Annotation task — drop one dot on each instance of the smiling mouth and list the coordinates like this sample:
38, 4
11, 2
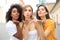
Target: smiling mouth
16, 16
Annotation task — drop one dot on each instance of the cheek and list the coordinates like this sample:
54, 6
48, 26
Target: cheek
44, 13
24, 13
15, 16
30, 13
12, 14
39, 13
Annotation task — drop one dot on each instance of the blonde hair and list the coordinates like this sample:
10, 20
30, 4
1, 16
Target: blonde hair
24, 10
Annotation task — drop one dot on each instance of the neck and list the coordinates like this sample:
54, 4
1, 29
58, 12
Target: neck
43, 18
14, 20
27, 19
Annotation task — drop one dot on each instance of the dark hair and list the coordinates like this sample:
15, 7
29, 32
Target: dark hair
19, 9
24, 9
47, 16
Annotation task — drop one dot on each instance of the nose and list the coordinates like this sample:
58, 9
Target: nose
39, 11
27, 12
17, 13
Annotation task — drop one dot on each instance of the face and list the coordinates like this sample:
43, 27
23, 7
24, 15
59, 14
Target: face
41, 11
27, 12
14, 14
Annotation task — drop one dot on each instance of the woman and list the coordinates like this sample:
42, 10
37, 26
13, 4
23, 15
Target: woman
13, 17
31, 30
49, 25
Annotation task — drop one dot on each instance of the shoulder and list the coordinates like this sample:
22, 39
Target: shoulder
9, 22
50, 21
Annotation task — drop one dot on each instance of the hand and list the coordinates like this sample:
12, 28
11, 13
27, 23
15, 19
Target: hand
16, 22
21, 3
21, 0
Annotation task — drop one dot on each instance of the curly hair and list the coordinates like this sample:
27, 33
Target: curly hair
19, 9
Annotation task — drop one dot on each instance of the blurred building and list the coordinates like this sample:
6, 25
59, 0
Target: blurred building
52, 5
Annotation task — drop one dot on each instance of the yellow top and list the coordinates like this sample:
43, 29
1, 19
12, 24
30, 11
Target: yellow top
50, 25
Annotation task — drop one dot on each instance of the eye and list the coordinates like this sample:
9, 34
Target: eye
14, 11
42, 9
25, 10
29, 10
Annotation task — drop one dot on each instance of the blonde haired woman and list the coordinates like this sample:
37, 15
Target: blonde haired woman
31, 30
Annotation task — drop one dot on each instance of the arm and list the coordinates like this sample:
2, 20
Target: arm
47, 32
50, 27
39, 27
14, 30
25, 32
10, 29
19, 31
21, 3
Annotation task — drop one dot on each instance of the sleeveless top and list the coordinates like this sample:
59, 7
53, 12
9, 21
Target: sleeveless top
32, 35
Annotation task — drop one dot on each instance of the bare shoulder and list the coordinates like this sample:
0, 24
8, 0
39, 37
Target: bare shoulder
35, 20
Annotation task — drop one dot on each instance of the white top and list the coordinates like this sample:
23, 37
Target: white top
11, 29
32, 35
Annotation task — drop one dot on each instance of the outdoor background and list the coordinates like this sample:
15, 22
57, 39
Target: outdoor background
52, 5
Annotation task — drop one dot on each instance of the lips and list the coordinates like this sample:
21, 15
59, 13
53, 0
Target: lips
27, 15
17, 16
40, 13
